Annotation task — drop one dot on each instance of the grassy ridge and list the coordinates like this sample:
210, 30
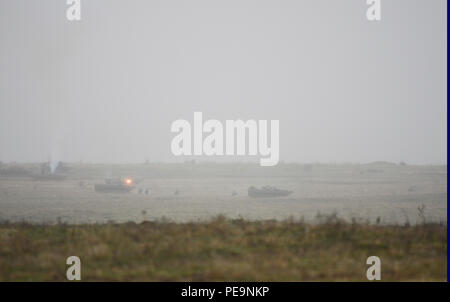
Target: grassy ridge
222, 250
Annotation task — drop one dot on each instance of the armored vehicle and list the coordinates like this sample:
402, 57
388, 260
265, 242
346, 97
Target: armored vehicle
267, 191
116, 185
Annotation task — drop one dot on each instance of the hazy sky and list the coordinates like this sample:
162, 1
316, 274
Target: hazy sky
107, 88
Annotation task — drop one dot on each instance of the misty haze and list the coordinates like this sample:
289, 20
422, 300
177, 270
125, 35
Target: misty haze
106, 92
86, 109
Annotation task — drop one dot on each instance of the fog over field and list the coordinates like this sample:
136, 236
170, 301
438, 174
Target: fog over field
361, 108
378, 193
107, 88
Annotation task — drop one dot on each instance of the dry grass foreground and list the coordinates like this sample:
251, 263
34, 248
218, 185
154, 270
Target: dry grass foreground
223, 250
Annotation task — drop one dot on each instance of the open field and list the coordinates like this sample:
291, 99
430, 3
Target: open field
223, 249
171, 233
191, 192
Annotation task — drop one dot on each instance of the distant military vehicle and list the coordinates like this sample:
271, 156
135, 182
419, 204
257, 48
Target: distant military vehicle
116, 185
49, 172
267, 191
48, 177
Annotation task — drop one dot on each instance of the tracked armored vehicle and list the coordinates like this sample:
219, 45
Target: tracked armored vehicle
267, 191
115, 185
